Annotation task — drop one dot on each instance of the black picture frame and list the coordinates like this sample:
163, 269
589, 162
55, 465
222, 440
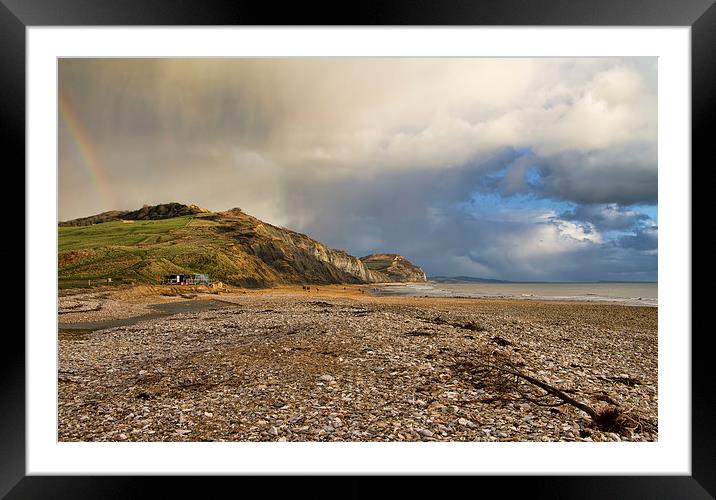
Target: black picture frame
17, 15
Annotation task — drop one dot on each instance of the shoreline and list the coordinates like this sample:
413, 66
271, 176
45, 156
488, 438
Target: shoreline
437, 289
141, 300
342, 365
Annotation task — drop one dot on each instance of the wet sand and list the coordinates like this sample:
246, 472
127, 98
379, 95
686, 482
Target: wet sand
157, 311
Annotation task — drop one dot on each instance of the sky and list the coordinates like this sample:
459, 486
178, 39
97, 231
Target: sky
503, 168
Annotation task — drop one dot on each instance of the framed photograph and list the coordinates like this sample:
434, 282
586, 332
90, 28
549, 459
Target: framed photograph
447, 240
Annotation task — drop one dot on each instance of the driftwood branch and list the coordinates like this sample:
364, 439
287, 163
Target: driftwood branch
611, 418
563, 396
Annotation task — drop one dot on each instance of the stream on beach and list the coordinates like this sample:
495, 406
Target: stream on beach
158, 311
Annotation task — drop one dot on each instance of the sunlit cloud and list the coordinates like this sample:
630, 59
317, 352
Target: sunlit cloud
386, 154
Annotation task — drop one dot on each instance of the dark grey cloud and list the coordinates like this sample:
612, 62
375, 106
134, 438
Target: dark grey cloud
607, 217
645, 239
528, 250
427, 217
621, 175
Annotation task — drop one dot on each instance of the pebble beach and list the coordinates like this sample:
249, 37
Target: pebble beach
338, 364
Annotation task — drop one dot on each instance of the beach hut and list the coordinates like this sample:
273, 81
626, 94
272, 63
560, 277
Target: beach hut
187, 279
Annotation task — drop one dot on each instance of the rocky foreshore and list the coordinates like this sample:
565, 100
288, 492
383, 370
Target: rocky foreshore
298, 366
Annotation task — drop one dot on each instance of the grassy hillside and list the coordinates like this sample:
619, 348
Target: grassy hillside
231, 246
118, 233
144, 251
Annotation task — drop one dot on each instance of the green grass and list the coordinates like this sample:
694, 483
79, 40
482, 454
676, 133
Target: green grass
144, 251
134, 251
227, 249
118, 233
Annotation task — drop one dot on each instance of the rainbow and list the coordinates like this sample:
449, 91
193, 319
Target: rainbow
83, 142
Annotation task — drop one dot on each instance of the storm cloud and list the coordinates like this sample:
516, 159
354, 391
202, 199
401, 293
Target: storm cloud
607, 217
501, 168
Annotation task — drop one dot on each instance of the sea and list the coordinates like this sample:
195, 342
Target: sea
640, 294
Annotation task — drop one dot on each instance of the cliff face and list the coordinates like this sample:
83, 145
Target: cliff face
230, 246
394, 267
312, 261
